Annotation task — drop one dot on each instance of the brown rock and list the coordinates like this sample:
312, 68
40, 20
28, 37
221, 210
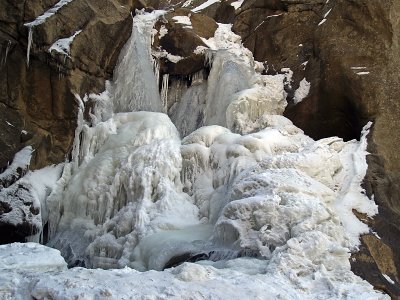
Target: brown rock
182, 41
42, 96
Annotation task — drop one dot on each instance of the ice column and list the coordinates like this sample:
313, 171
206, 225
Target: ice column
164, 92
135, 86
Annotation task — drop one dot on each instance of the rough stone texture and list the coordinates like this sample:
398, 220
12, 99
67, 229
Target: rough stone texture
40, 98
183, 41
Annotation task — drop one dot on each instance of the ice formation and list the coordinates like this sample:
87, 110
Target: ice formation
63, 46
19, 164
134, 84
40, 20
251, 206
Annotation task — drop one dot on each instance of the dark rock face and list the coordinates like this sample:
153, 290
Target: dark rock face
39, 99
182, 41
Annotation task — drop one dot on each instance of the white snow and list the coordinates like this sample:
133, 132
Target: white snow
387, 277
327, 13
352, 195
362, 73
42, 182
63, 46
163, 31
20, 161
237, 4
47, 14
40, 20
270, 16
30, 256
187, 3
325, 16
302, 91
184, 20
205, 5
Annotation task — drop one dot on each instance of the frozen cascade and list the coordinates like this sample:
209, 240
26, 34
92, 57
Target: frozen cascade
187, 114
135, 86
235, 95
258, 204
226, 78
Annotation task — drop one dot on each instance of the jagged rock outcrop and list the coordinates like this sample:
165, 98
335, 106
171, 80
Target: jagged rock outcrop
37, 101
200, 26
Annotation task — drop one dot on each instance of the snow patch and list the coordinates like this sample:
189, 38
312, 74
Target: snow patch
163, 31
352, 195
237, 4
40, 20
184, 20
327, 13
63, 46
302, 91
205, 5
20, 163
30, 256
47, 14
387, 277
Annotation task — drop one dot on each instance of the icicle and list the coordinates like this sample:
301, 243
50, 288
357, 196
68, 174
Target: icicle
197, 77
28, 51
164, 92
4, 58
156, 69
78, 130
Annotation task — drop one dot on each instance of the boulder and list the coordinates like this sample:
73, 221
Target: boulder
182, 40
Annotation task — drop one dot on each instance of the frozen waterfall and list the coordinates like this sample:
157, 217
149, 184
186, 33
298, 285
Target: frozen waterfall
245, 195
135, 86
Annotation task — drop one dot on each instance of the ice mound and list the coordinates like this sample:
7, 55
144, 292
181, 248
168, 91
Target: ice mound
30, 256
127, 186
